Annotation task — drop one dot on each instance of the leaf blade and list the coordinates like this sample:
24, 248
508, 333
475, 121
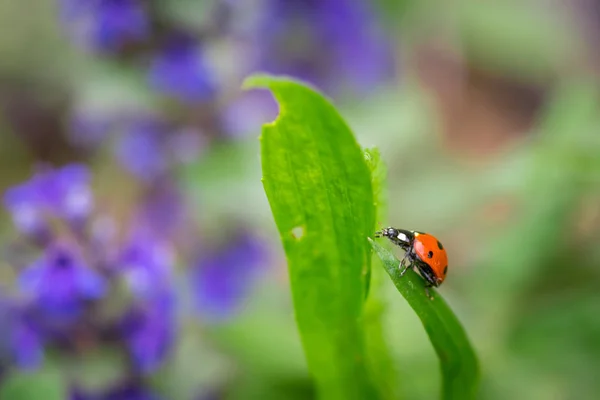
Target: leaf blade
319, 189
458, 361
380, 362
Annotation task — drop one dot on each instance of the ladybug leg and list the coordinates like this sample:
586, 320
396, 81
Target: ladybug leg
427, 292
428, 276
403, 266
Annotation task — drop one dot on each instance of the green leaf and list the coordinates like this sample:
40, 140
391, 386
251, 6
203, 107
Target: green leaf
264, 337
380, 362
460, 371
44, 384
319, 189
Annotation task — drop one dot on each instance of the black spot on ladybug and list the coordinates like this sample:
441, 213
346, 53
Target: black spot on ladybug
445, 269
430, 254
440, 245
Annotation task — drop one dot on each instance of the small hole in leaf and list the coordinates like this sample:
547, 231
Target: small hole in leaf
298, 232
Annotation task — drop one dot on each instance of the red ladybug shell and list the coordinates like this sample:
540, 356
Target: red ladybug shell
432, 253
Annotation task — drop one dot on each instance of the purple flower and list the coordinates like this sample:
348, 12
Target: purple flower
20, 339
60, 283
222, 279
162, 212
26, 341
26, 207
149, 148
62, 193
147, 264
141, 149
180, 71
149, 330
330, 43
105, 25
64, 288
248, 113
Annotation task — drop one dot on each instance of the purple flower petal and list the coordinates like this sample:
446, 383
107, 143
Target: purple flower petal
32, 278
222, 280
59, 283
180, 71
147, 264
76, 200
24, 205
149, 148
26, 344
62, 192
141, 150
248, 113
105, 24
149, 331
91, 285
162, 213
330, 43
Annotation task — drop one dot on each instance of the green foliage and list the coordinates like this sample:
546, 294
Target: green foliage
460, 371
518, 35
555, 183
325, 196
319, 190
43, 384
380, 363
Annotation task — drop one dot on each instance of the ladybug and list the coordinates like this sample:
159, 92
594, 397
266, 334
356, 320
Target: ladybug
422, 251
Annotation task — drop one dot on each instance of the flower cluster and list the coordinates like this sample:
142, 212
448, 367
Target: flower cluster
106, 25
75, 265
332, 44
70, 263
219, 292
335, 44
85, 279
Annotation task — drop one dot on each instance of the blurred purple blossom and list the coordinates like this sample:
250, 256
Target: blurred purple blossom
60, 283
329, 43
248, 113
147, 263
20, 340
140, 149
180, 70
162, 212
222, 279
149, 330
62, 193
25, 339
60, 291
105, 25
150, 148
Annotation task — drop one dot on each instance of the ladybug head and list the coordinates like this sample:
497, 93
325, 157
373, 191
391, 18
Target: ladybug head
400, 237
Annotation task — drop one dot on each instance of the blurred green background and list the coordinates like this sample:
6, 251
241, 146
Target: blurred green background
489, 129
